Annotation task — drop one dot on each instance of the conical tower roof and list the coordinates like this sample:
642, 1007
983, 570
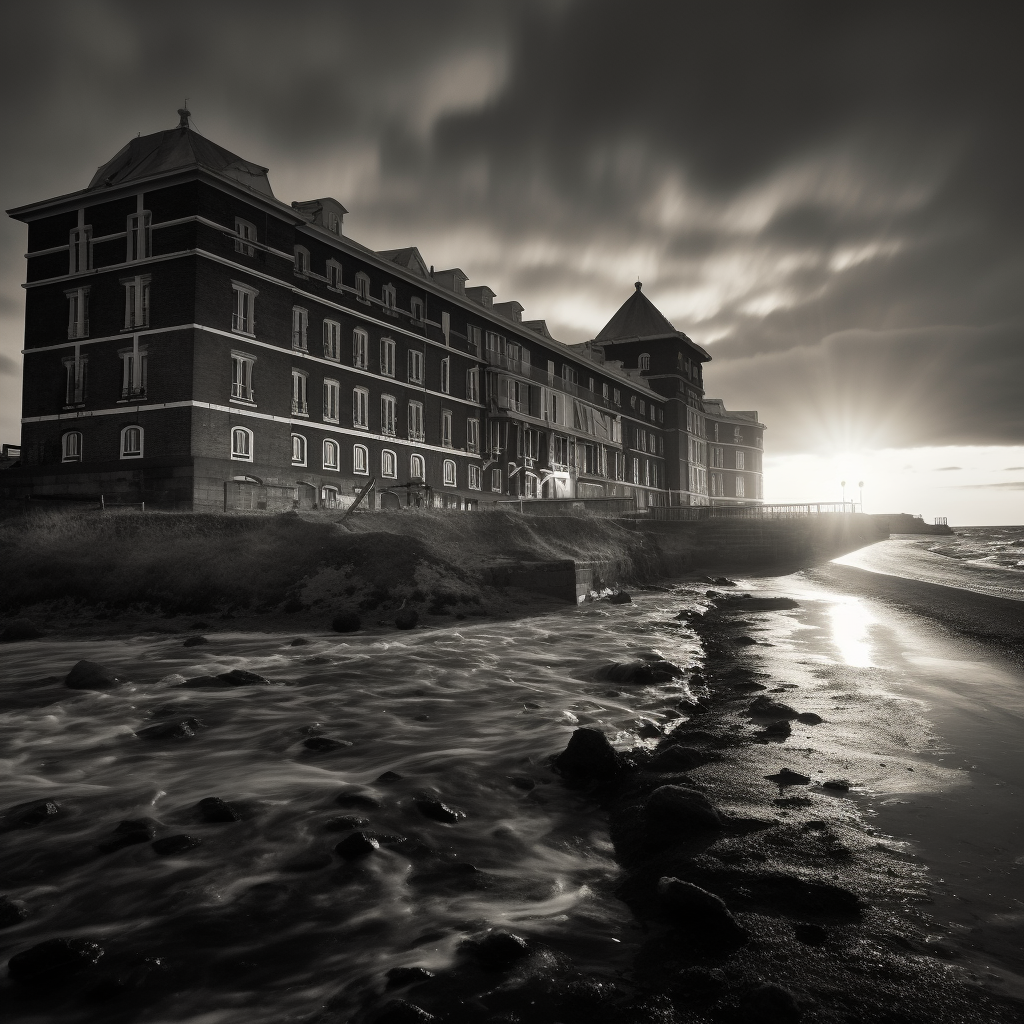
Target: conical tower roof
637, 317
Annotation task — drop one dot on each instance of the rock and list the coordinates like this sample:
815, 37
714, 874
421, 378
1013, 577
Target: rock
398, 1011
679, 810
777, 731
216, 812
643, 673
31, 814
745, 641
346, 622
356, 846
840, 785
438, 811
20, 629
130, 833
589, 755
620, 597
648, 730
810, 718
702, 914
345, 823
810, 934
195, 641
748, 603
87, 675
11, 913
171, 845
389, 777
407, 618
748, 687
400, 977
677, 759
240, 677
51, 963
723, 581
324, 744
769, 1004
357, 800
767, 707
183, 730
499, 951
789, 778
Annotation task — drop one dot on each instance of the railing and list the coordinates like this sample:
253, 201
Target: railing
133, 393
299, 408
242, 392
690, 513
531, 372
79, 330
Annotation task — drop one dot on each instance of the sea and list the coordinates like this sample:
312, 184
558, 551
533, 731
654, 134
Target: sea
262, 921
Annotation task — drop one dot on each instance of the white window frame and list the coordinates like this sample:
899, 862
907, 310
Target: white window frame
496, 480
416, 428
387, 357
71, 452
80, 247
242, 365
416, 308
644, 362
360, 460
389, 415
334, 279
300, 327
445, 375
451, 473
246, 233
363, 287
740, 461
243, 319
300, 458
446, 327
473, 384
473, 435
360, 348
332, 401
300, 394
415, 366
360, 408
740, 488
301, 261
124, 438
136, 301
76, 368
330, 445
446, 428
475, 481
332, 340
387, 456
237, 454
473, 339
417, 467
139, 230
134, 383
389, 297
78, 312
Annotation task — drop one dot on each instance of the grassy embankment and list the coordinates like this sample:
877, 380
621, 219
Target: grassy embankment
84, 565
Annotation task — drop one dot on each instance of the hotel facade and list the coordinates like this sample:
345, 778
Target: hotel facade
195, 343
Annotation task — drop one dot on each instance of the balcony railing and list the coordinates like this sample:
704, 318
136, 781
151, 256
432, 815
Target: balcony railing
129, 393
79, 330
299, 408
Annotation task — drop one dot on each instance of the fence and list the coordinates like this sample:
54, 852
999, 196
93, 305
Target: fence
611, 507
691, 513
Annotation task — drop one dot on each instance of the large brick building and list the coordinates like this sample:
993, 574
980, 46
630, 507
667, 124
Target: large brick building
193, 342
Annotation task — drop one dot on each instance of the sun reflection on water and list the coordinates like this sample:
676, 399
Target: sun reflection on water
850, 622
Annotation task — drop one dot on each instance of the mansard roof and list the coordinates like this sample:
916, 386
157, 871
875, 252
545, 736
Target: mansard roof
178, 149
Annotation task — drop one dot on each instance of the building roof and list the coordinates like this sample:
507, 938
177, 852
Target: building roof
637, 317
177, 149
409, 258
715, 407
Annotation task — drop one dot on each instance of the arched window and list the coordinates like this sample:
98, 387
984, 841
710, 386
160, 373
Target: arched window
450, 477
417, 467
331, 455
298, 450
388, 463
645, 361
71, 447
360, 459
241, 444
131, 443
362, 287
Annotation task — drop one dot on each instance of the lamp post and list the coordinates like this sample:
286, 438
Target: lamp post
860, 484
842, 483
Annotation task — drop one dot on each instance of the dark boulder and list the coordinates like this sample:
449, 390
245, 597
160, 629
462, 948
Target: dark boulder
215, 811
356, 846
767, 707
810, 718
620, 597
789, 778
777, 731
389, 777
11, 913
704, 916
52, 963
589, 755
400, 977
87, 675
325, 744
346, 622
171, 845
677, 759
130, 833
745, 641
195, 641
770, 1004
183, 730
33, 813
407, 618
839, 785
240, 677
678, 811
359, 800
643, 673
499, 951
345, 823
20, 629
438, 811
398, 1011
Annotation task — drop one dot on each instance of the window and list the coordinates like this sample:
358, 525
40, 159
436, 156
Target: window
387, 295
416, 307
473, 384
632, 402
81, 250
617, 396
134, 371
300, 321
246, 233
473, 436
569, 375
298, 450
334, 275
136, 302
560, 451
495, 343
496, 480
591, 384
653, 412
333, 223
416, 421
131, 443
636, 471
531, 486
388, 415
241, 377
554, 407
661, 415
140, 236
446, 428
661, 446
604, 392
446, 327
332, 340
299, 393
360, 346
331, 455
241, 444
415, 366
450, 477
387, 357
417, 468
76, 378
78, 312
475, 483
360, 459
645, 361
473, 338
362, 287
445, 378
737, 436
71, 447
301, 261
716, 431
243, 319
739, 460
718, 457
360, 403
388, 464
332, 395
739, 487
643, 407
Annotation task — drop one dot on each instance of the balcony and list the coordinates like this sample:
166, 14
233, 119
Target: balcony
530, 372
417, 435
79, 330
299, 408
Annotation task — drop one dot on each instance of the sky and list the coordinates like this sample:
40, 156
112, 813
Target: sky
829, 198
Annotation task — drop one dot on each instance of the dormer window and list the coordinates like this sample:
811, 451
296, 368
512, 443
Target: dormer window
645, 361
333, 223
301, 261
362, 287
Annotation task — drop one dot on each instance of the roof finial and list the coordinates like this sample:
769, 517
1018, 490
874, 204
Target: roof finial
184, 113
638, 286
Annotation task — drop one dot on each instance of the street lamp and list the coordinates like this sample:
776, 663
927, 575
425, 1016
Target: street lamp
842, 483
860, 484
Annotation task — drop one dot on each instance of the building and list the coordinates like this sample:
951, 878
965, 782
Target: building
193, 342
735, 450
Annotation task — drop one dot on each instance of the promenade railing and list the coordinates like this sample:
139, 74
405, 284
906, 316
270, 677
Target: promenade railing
692, 513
